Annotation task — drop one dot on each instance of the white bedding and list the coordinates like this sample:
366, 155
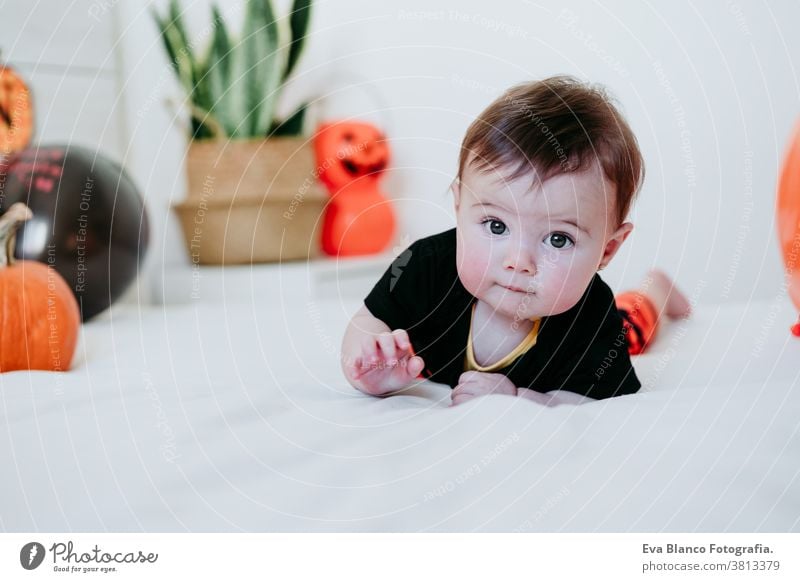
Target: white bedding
229, 418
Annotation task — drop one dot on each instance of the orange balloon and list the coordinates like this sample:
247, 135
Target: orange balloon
788, 216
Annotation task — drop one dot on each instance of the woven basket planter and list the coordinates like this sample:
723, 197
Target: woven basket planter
251, 201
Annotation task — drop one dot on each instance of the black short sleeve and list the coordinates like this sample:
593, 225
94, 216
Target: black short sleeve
401, 297
599, 365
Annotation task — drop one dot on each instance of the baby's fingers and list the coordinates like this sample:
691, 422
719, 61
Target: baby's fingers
373, 358
395, 345
415, 366
388, 347
458, 398
368, 360
402, 340
465, 391
360, 367
370, 352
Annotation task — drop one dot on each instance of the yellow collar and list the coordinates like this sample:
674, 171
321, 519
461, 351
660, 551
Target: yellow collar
527, 343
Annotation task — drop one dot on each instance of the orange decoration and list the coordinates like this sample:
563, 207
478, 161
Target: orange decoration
351, 157
16, 112
788, 216
39, 317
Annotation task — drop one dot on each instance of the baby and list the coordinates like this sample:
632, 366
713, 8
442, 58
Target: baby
510, 301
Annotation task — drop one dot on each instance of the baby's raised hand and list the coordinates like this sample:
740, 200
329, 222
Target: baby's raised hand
473, 384
386, 363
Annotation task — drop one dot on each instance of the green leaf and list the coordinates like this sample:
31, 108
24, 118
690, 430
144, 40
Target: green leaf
199, 130
236, 86
261, 70
298, 20
183, 50
162, 29
176, 52
219, 68
292, 125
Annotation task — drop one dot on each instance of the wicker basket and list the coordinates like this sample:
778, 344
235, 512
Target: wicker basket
251, 202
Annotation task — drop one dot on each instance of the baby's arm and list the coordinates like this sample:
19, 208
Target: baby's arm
473, 384
375, 359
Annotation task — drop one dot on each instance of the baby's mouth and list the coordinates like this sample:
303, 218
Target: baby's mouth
518, 289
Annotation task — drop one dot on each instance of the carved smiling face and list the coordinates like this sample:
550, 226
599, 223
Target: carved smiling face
16, 112
347, 151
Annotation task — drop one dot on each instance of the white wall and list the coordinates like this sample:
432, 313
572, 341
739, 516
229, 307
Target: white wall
710, 89
67, 59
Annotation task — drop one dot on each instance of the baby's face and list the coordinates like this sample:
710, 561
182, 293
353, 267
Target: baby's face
530, 252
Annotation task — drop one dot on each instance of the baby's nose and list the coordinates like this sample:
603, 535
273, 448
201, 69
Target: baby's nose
518, 258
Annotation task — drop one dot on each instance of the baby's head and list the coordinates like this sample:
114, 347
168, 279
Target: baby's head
546, 176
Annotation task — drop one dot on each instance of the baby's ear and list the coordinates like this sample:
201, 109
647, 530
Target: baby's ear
614, 243
455, 187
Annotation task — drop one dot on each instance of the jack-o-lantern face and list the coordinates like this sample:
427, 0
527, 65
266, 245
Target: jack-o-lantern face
347, 151
16, 112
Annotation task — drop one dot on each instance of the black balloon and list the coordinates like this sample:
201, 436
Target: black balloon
89, 220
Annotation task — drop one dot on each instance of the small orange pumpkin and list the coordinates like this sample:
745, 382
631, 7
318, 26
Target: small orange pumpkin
352, 157
348, 150
39, 317
16, 112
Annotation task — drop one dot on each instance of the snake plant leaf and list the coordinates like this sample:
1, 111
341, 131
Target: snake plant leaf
232, 92
292, 125
168, 43
183, 49
175, 51
261, 66
298, 22
182, 60
219, 68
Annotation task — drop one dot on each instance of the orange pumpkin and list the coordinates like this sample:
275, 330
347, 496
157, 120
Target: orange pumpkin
16, 112
788, 219
352, 156
348, 150
39, 317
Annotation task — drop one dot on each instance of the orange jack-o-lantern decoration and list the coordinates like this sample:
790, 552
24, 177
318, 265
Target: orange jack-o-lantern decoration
788, 218
351, 157
16, 112
39, 315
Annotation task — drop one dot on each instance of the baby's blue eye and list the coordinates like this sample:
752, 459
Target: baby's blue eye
560, 240
496, 226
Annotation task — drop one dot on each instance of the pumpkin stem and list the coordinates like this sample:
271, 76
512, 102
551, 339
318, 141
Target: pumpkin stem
9, 223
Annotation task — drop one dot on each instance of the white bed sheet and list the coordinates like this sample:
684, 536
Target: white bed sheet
236, 418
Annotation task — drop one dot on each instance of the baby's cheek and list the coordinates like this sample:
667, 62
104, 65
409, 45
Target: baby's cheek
472, 276
473, 270
564, 302
565, 285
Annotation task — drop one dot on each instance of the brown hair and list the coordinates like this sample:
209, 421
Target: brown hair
553, 126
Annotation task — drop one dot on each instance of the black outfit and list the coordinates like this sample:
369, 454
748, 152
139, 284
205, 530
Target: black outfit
582, 350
